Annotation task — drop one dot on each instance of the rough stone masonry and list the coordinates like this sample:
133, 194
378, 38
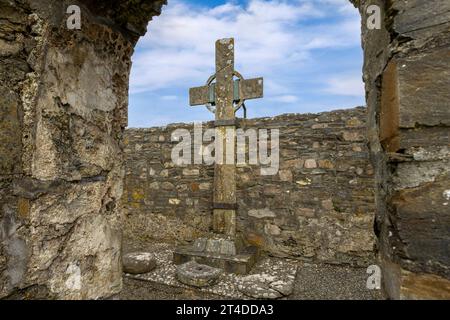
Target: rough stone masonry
319, 206
63, 105
63, 108
407, 77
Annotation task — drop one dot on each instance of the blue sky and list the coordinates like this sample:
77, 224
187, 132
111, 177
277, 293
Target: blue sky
308, 52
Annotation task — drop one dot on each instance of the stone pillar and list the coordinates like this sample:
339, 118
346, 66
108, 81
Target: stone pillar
407, 77
63, 100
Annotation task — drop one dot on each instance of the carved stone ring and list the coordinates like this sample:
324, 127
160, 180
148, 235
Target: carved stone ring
237, 103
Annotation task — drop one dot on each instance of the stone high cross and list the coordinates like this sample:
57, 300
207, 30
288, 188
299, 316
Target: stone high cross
227, 96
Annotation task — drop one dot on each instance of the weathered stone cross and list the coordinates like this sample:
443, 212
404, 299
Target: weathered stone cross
227, 96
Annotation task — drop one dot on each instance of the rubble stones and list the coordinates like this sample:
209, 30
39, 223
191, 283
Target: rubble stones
263, 286
227, 284
138, 262
258, 286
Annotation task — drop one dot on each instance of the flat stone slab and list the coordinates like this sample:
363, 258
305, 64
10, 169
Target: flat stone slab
219, 251
227, 283
216, 245
197, 275
265, 286
138, 262
240, 263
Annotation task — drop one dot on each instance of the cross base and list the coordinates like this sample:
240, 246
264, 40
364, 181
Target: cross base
227, 254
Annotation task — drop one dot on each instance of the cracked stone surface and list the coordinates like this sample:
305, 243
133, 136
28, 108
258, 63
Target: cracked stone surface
138, 262
264, 286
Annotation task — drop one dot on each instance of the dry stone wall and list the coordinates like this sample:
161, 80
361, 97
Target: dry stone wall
320, 204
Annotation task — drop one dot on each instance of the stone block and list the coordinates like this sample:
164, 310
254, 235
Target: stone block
167, 186
310, 164
319, 126
240, 263
197, 275
255, 239
272, 229
293, 164
354, 122
216, 245
261, 213
10, 133
326, 164
305, 212
205, 186
424, 137
327, 204
422, 218
191, 172
285, 175
421, 19
424, 286
138, 262
263, 286
353, 136
174, 201
195, 187
414, 94
305, 182
270, 190
401, 284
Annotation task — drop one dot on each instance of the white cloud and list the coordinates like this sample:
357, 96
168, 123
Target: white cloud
345, 85
169, 98
276, 39
285, 99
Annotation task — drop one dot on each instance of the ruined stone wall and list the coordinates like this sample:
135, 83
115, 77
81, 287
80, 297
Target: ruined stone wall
407, 76
63, 107
62, 112
320, 205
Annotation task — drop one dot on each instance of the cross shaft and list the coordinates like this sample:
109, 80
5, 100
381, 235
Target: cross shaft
223, 94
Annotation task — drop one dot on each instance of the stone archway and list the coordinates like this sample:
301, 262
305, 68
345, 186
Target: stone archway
63, 110
64, 97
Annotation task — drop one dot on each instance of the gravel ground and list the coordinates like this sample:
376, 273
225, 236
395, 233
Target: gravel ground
145, 290
313, 282
331, 282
